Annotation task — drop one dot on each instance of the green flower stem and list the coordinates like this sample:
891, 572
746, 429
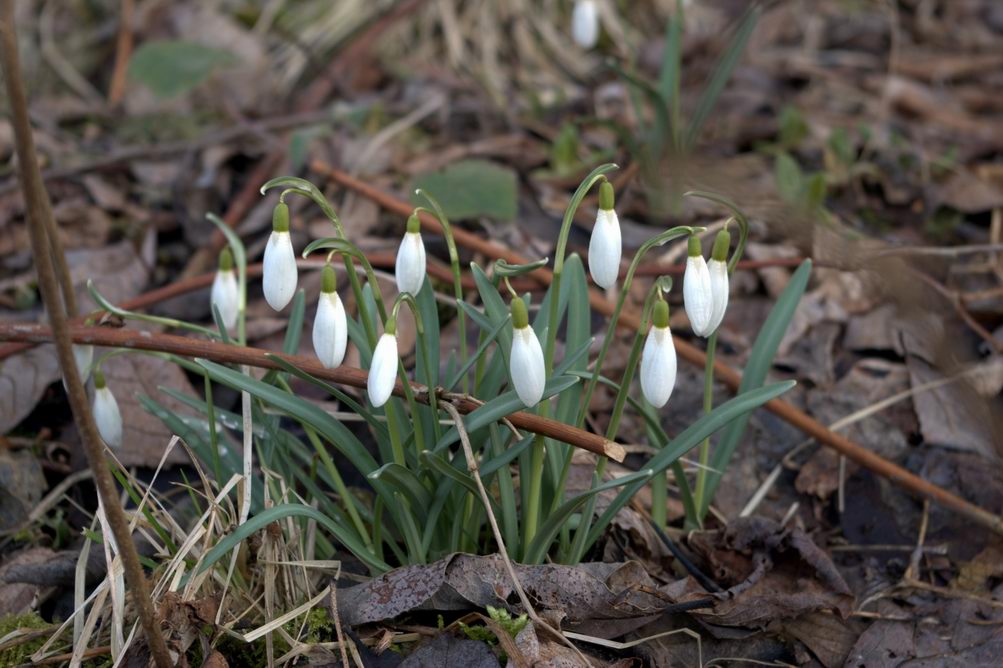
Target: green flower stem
145, 317
419, 432
532, 514
708, 387
454, 266
217, 467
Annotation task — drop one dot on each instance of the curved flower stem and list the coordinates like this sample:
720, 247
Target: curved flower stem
532, 514
708, 386
454, 265
159, 320
419, 433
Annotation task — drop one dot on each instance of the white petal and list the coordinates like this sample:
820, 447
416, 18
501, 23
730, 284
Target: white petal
658, 366
279, 280
226, 297
719, 290
410, 266
383, 370
526, 366
585, 24
83, 355
604, 249
330, 330
697, 296
108, 417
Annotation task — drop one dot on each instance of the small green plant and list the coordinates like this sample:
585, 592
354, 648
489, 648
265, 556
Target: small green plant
503, 618
19, 653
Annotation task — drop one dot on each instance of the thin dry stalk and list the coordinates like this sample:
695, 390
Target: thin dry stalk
38, 208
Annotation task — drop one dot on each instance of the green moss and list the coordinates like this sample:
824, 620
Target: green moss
20, 653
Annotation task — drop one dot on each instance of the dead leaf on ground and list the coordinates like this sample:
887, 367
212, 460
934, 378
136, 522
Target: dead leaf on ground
21, 486
448, 650
18, 597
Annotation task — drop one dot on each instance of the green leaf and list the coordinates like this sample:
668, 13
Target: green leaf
405, 482
789, 178
276, 513
793, 129
172, 67
760, 361
472, 188
687, 440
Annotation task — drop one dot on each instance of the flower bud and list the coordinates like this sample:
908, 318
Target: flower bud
279, 271
697, 296
585, 23
330, 326
526, 366
225, 294
410, 266
83, 355
106, 413
605, 245
718, 271
658, 360
383, 370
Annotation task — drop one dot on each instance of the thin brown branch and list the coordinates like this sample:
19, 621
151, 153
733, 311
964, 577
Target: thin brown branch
38, 208
232, 354
630, 319
123, 51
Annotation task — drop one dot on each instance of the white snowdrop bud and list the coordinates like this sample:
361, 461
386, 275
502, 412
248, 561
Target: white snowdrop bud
658, 361
330, 327
410, 266
605, 246
225, 294
585, 23
697, 296
83, 355
383, 370
106, 413
526, 366
279, 275
718, 270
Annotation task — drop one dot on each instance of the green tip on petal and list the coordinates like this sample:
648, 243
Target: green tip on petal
695, 250
280, 217
520, 316
391, 326
328, 279
660, 314
606, 198
721, 245
226, 260
98, 378
413, 224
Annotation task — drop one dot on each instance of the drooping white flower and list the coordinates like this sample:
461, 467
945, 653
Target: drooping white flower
585, 23
410, 265
526, 366
658, 359
83, 355
718, 270
279, 271
330, 326
383, 370
697, 296
106, 413
225, 295
605, 245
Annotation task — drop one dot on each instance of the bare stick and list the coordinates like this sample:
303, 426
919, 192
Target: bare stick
468, 452
38, 208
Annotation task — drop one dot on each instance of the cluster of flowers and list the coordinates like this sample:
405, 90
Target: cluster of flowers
705, 297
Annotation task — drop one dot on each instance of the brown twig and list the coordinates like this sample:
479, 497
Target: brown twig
631, 320
38, 207
123, 51
232, 354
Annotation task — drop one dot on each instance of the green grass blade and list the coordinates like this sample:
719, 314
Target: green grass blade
405, 482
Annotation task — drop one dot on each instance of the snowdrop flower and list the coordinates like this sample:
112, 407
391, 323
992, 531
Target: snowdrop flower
658, 361
330, 327
225, 295
718, 270
410, 266
83, 355
383, 370
605, 246
279, 279
697, 295
106, 413
585, 23
526, 365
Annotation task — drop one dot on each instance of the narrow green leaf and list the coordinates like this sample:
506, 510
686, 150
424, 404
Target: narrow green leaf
405, 482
